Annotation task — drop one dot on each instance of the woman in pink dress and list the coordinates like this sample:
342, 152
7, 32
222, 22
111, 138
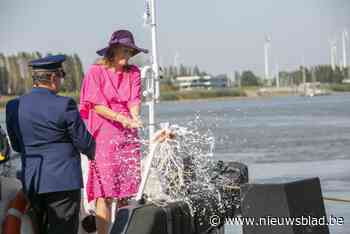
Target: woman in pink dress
110, 103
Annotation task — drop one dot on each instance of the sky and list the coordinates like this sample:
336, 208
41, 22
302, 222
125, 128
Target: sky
219, 36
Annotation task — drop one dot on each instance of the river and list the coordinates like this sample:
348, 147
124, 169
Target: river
280, 139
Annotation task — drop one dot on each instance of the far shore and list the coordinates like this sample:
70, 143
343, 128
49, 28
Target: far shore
247, 97
2, 109
200, 95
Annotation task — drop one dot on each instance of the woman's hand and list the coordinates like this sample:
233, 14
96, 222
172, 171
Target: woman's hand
128, 122
135, 115
138, 122
125, 121
135, 123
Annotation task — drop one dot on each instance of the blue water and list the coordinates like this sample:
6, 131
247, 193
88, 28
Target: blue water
280, 139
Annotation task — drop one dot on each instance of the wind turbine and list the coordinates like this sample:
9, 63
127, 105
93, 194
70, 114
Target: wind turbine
176, 59
345, 39
333, 47
277, 76
267, 46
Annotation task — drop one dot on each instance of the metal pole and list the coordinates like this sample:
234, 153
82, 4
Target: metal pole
155, 67
151, 116
152, 93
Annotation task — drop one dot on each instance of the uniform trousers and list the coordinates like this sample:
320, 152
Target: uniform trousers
57, 212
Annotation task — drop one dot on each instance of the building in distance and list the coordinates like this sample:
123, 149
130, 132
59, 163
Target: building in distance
200, 82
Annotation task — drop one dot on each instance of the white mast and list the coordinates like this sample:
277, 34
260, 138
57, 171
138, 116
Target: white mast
153, 83
151, 73
151, 92
155, 49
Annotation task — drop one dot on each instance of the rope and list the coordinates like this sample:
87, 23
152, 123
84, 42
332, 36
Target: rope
336, 199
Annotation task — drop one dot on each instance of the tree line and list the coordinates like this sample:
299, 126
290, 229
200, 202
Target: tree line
319, 73
15, 75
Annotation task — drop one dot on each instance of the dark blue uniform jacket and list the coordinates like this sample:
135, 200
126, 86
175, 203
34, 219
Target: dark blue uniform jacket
49, 133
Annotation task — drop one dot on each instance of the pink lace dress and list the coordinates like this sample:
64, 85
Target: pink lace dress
115, 172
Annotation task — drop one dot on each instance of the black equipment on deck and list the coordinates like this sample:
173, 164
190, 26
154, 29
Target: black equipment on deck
279, 201
174, 218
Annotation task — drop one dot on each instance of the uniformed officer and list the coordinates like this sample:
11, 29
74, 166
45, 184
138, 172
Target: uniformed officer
47, 130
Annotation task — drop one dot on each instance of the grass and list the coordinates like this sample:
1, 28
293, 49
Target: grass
172, 95
338, 87
251, 88
169, 95
201, 94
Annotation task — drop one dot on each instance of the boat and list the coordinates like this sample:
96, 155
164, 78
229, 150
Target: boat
11, 188
311, 89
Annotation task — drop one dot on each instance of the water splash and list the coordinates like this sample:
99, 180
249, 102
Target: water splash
182, 171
